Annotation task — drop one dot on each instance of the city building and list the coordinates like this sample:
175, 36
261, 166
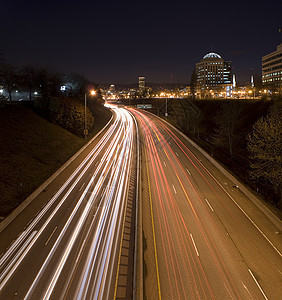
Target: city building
272, 70
214, 78
141, 82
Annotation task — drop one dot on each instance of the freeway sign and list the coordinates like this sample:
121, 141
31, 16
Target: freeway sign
144, 106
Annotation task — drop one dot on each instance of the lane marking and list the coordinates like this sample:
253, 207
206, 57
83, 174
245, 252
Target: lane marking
166, 154
188, 171
103, 193
164, 164
80, 251
228, 290
176, 154
188, 199
120, 248
194, 244
154, 237
258, 284
209, 205
82, 186
15, 262
246, 289
174, 189
247, 216
51, 235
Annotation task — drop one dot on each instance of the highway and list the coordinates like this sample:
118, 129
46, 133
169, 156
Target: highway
204, 239
71, 248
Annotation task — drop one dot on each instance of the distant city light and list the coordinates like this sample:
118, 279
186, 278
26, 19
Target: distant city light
35, 93
1, 91
63, 88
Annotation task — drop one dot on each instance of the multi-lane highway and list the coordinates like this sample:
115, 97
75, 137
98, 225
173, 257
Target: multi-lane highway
204, 238
71, 248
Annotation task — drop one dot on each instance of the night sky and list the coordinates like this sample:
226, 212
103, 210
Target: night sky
116, 41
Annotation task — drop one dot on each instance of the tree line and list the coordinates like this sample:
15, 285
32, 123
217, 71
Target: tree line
250, 146
57, 97
264, 143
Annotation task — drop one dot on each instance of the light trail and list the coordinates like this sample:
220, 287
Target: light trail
107, 188
178, 225
154, 157
210, 228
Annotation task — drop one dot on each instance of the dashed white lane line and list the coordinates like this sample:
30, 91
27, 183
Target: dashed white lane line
209, 205
194, 244
51, 236
82, 186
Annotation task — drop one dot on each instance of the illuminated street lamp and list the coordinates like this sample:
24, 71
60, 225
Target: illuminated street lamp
85, 117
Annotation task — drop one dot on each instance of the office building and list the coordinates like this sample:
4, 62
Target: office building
272, 70
214, 78
141, 82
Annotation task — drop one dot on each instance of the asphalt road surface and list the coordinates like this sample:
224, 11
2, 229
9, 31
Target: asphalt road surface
70, 249
205, 238
209, 241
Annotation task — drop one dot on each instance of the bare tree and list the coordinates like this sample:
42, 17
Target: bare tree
29, 74
265, 148
226, 119
193, 83
8, 78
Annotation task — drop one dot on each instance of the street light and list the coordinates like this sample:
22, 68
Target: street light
85, 117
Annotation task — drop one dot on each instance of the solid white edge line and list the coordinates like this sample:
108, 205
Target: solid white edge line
204, 154
258, 284
246, 215
5, 222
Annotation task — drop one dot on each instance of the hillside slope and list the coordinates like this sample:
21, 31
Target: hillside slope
31, 150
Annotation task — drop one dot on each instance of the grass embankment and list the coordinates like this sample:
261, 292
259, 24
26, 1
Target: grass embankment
32, 149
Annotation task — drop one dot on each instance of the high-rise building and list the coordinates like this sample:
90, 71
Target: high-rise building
141, 82
272, 70
213, 76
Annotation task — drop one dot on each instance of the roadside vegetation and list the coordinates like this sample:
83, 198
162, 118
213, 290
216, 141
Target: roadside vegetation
39, 135
243, 135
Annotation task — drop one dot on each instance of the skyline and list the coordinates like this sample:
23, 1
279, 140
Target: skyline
115, 43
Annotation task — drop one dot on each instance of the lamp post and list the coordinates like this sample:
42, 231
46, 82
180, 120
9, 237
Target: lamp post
85, 116
166, 114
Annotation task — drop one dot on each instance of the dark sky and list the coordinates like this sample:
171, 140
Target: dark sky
116, 41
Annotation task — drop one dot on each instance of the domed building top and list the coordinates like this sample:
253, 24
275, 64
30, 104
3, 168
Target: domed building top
212, 55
